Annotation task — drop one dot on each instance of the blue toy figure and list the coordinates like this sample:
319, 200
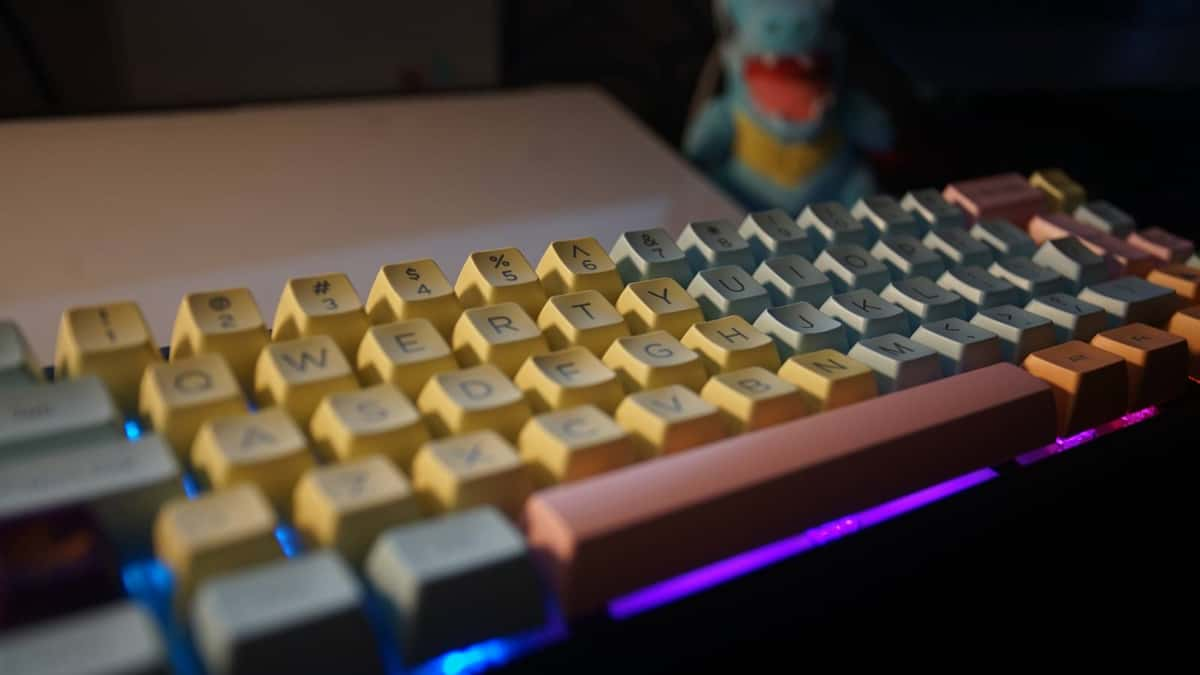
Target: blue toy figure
787, 131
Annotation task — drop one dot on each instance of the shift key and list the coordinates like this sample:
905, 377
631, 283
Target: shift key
41, 415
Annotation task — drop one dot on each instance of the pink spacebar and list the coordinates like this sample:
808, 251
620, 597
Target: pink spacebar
606, 536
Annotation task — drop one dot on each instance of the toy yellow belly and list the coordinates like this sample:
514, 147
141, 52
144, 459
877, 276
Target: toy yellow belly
785, 163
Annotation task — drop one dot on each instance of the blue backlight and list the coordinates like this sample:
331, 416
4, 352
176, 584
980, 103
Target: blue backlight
133, 429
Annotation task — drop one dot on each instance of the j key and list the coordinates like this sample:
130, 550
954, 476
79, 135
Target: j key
225, 322
728, 290
1020, 332
1006, 195
650, 254
112, 342
1089, 384
772, 234
850, 267
1128, 259
957, 247
17, 363
575, 265
321, 305
715, 243
1162, 244
1063, 193
963, 347
978, 288
799, 328
934, 209
1004, 238
42, 416
830, 223
1104, 216
416, 289
499, 275
121, 637
1156, 362
1073, 318
1184, 280
899, 363
884, 215
922, 300
1131, 299
1073, 261
1032, 279
791, 278
865, 314
907, 257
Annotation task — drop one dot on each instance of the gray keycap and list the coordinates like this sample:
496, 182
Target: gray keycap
772, 234
1104, 216
296, 615
73, 411
455, 580
934, 209
1030, 278
906, 257
1073, 319
715, 243
1194, 261
1074, 261
1132, 299
117, 639
865, 314
650, 254
898, 362
829, 223
978, 288
957, 247
1021, 333
791, 278
850, 267
1004, 238
885, 217
800, 328
729, 290
962, 347
922, 300
18, 366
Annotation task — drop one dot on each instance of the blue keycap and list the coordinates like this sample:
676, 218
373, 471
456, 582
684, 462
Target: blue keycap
715, 243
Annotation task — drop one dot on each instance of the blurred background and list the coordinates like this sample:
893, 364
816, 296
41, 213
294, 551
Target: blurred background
1106, 89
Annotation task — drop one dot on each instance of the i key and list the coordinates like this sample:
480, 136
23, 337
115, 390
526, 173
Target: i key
791, 278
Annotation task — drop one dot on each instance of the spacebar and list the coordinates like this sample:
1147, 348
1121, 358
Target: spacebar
609, 535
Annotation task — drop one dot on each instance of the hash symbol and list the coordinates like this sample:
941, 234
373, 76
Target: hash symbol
321, 287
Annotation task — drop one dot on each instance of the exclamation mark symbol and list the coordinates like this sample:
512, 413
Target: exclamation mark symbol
112, 337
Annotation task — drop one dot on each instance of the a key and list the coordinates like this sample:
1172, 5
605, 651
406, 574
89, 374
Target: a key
715, 243
471, 399
346, 506
1006, 195
772, 234
110, 341
416, 289
669, 419
728, 290
568, 378
799, 328
1020, 332
502, 335
957, 247
641, 255
731, 343
223, 322
405, 354
653, 360
907, 257
1131, 299
922, 300
321, 305
468, 470
121, 637
18, 365
499, 275
934, 209
571, 444
440, 579
1162, 244
753, 398
266, 449
297, 374
574, 265
1124, 258
1182, 279
1104, 216
35, 417
962, 346
791, 278
658, 304
585, 319
179, 396
1062, 192
1004, 238
829, 223
1030, 278
1073, 318
298, 615
979, 289
828, 379
1186, 324
1156, 362
851, 267
1073, 261
884, 215
865, 315
376, 420
898, 362
1089, 384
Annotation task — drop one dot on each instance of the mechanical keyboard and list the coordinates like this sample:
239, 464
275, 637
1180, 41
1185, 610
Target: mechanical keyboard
454, 472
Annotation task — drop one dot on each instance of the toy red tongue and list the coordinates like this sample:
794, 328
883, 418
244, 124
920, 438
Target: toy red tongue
787, 87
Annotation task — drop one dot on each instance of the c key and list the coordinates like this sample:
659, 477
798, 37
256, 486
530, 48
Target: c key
1089, 384
1156, 362
324, 305
221, 322
574, 443
112, 342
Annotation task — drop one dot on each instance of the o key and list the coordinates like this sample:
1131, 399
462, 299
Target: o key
1156, 362
1089, 384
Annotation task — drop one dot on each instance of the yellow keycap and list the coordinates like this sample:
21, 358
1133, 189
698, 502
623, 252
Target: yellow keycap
502, 335
753, 398
471, 470
266, 449
221, 322
404, 353
473, 399
416, 289
586, 319
217, 533
377, 420
653, 360
500, 275
110, 341
1064, 193
828, 379
658, 304
297, 374
573, 444
669, 420
568, 378
574, 265
178, 397
731, 343
346, 506
323, 305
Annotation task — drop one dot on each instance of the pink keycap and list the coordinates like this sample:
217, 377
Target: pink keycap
1162, 244
1128, 259
1007, 195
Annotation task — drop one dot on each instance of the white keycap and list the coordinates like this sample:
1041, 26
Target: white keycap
933, 208
957, 247
829, 223
898, 362
1020, 332
1029, 277
772, 234
715, 243
1004, 238
649, 254
865, 314
1132, 299
963, 347
907, 257
72, 411
791, 278
884, 215
728, 290
800, 328
1074, 261
850, 267
922, 300
1073, 318
978, 288
1194, 261
121, 638
18, 366
1104, 216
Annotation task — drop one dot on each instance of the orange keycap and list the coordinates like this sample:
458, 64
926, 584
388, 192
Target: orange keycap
1129, 259
1162, 244
1186, 324
1089, 384
1007, 195
1156, 362
1184, 280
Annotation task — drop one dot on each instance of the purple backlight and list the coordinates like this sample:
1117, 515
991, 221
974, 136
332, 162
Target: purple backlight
1064, 444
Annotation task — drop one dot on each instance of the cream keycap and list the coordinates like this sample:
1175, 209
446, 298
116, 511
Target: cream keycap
502, 335
377, 420
225, 322
573, 265
658, 304
828, 379
1062, 192
471, 470
266, 449
405, 354
653, 360
669, 419
297, 374
569, 378
753, 398
179, 396
731, 343
18, 365
416, 289
586, 319
574, 443
473, 399
110, 341
348, 505
323, 305
500, 275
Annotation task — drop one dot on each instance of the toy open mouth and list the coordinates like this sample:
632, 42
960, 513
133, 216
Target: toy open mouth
795, 88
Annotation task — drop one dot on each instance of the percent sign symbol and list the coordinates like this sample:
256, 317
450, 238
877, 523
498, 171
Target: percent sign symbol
498, 261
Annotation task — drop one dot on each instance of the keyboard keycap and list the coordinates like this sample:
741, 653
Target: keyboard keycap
851, 267
468, 470
223, 322
653, 360
907, 257
499, 275
64, 413
1061, 191
922, 300
297, 374
721, 291
1004, 238
899, 363
110, 341
118, 638
178, 397
1089, 384
584, 319
658, 304
1073, 318
265, 449
298, 615
1104, 216
404, 354
416, 289
669, 419
1184, 280
829, 379
641, 255
865, 314
1186, 324
884, 215
440, 578
963, 347
1031, 279
574, 443
956, 247
473, 399
753, 398
1162, 244
376, 420
934, 209
731, 343
1073, 261
321, 305
18, 365
1156, 362
791, 278
574, 265
772, 234
569, 378
1125, 259
502, 335
1131, 299
979, 289
799, 328
599, 544
1006, 195
829, 223
1021, 333
715, 243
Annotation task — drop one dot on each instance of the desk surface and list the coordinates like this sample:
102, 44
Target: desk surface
150, 207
